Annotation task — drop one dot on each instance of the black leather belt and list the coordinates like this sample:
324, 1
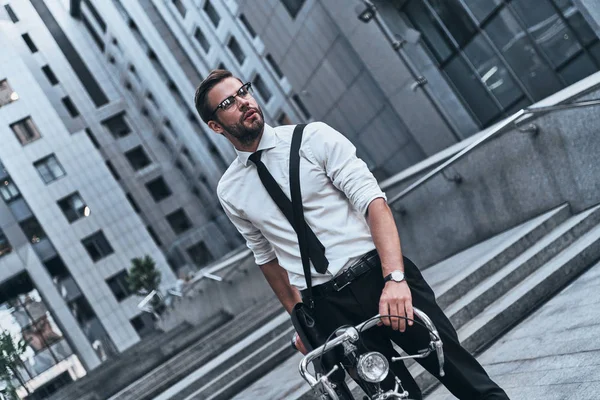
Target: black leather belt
364, 264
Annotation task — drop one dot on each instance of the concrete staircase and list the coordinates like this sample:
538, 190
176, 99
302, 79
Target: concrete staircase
136, 361
489, 288
556, 249
485, 290
215, 365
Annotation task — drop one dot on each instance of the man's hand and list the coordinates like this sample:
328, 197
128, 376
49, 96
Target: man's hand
299, 345
396, 300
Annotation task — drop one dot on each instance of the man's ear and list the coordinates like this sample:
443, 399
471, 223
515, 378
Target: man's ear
215, 126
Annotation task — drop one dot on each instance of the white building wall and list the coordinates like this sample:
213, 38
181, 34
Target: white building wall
86, 173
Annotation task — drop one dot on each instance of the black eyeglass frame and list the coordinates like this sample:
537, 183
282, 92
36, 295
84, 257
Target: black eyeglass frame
221, 106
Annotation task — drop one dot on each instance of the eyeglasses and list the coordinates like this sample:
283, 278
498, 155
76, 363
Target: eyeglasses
244, 92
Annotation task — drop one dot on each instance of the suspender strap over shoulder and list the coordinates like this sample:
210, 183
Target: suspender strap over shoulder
296, 195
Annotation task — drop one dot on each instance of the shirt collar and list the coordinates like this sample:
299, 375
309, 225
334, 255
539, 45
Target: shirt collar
267, 141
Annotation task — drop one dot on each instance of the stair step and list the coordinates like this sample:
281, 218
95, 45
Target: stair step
254, 366
453, 277
210, 347
230, 368
502, 281
224, 356
518, 303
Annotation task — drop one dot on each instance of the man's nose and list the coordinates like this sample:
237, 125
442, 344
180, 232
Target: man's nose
242, 103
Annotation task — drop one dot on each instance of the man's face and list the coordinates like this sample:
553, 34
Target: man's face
243, 121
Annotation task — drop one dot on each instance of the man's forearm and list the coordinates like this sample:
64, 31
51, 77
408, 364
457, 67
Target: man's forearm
278, 279
385, 236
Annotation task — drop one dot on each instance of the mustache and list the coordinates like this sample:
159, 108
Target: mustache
256, 110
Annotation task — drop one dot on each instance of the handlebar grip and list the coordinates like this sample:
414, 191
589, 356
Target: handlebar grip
439, 350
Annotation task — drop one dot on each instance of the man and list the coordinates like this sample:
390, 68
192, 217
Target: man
347, 211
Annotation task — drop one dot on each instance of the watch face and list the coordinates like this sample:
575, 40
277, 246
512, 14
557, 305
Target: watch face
397, 276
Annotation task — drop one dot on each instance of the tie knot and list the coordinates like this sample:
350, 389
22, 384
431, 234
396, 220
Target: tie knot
255, 157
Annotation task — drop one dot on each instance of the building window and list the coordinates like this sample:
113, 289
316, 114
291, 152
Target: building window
73, 207
186, 153
50, 75
117, 126
73, 111
247, 25
201, 39
236, 50
158, 188
261, 88
11, 13
274, 66
154, 236
26, 131
95, 36
92, 138
199, 254
113, 171
9, 191
81, 310
7, 95
5, 246
284, 119
119, 286
179, 221
49, 168
32, 230
212, 13
293, 6
138, 158
180, 7
97, 246
501, 56
29, 43
301, 106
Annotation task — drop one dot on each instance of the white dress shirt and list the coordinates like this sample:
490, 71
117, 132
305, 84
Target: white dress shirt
337, 188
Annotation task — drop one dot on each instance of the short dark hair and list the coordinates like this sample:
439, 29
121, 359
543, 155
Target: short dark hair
215, 77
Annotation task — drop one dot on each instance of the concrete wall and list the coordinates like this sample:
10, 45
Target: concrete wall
505, 182
241, 289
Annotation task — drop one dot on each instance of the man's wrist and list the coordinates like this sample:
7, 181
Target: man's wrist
394, 276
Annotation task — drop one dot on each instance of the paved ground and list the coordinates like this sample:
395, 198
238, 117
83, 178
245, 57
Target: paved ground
554, 354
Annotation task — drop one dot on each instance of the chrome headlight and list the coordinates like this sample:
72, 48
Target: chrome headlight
373, 367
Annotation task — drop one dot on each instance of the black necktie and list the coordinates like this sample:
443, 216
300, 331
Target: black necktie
316, 249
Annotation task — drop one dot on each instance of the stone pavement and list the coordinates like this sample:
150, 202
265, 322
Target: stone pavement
553, 354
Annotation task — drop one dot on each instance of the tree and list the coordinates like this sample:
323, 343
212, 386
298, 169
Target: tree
143, 277
10, 359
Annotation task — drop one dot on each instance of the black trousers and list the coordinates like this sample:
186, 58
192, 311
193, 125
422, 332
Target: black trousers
465, 378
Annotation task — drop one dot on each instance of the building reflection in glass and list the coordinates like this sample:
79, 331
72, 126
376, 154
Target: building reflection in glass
48, 358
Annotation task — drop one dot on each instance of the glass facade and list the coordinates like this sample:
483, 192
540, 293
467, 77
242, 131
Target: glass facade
503, 55
25, 316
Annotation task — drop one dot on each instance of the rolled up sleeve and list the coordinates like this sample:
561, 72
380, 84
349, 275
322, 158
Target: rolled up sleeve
337, 155
261, 248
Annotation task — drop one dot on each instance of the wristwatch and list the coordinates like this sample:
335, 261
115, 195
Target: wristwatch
396, 276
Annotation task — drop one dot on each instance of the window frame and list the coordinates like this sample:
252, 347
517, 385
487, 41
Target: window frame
43, 162
100, 243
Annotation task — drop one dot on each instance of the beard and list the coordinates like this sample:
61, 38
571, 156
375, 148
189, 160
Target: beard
246, 135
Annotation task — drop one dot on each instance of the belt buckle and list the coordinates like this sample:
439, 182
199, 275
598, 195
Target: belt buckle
338, 288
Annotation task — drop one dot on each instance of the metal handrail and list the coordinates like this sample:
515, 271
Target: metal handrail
491, 134
210, 272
